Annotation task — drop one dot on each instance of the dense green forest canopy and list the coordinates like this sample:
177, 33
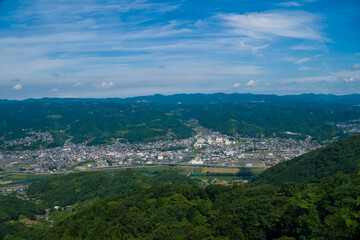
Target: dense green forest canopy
89, 121
13, 209
258, 119
79, 187
325, 210
341, 156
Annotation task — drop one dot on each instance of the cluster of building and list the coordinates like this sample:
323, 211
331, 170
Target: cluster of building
31, 137
352, 126
205, 148
219, 149
19, 190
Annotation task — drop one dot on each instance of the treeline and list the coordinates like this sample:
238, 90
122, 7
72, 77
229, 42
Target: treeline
323, 210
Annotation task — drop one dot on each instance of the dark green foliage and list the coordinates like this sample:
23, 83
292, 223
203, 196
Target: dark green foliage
15, 231
85, 186
271, 120
11, 208
94, 122
328, 209
341, 156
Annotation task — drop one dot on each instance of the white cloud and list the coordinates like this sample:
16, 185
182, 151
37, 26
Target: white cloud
289, 4
236, 85
54, 90
253, 83
290, 24
356, 66
78, 84
348, 76
302, 60
17, 87
104, 85
349, 79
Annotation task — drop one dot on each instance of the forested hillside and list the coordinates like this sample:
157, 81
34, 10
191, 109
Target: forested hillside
72, 193
341, 156
93, 122
13, 209
325, 210
257, 119
79, 187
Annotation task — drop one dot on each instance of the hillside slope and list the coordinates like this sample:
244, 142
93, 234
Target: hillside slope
79, 187
324, 210
341, 156
88, 121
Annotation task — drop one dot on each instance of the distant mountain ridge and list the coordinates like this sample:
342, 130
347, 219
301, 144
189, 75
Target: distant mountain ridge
341, 156
201, 98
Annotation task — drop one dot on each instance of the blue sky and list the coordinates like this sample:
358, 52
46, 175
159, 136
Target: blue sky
108, 48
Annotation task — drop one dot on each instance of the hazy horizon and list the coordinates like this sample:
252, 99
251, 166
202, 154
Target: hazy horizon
169, 95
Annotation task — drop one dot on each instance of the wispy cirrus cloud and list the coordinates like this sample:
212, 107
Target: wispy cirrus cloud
287, 24
341, 76
302, 60
119, 46
289, 4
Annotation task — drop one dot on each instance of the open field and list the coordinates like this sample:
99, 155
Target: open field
227, 171
24, 177
181, 170
17, 177
219, 170
213, 173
